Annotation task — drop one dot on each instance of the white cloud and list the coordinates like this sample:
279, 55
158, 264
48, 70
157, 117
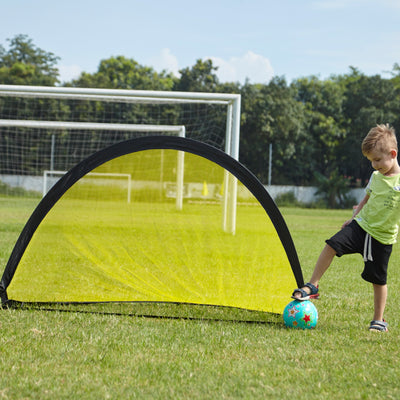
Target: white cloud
165, 61
251, 66
254, 67
69, 72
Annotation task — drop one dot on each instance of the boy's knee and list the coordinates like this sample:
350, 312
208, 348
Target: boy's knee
373, 277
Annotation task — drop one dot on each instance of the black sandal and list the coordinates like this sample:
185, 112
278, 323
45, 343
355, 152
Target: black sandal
305, 295
378, 326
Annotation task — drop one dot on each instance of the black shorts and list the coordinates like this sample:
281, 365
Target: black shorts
353, 239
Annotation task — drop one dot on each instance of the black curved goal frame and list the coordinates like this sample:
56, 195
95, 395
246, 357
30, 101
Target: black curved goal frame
243, 174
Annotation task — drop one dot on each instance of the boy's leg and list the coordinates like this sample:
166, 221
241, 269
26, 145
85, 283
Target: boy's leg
323, 263
380, 296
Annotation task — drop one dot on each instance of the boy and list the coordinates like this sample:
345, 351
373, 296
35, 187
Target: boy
374, 226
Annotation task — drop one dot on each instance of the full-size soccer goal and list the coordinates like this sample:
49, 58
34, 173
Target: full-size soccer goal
54, 128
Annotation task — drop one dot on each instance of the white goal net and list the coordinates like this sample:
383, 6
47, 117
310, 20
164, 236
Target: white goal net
54, 128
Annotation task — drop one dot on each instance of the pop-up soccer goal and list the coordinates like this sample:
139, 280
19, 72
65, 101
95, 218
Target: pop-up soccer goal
81, 246
92, 239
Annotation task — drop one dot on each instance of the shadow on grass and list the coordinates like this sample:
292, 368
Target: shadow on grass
172, 311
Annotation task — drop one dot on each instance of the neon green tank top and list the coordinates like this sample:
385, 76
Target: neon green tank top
380, 216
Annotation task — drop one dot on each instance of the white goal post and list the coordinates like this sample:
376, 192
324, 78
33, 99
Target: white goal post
128, 177
232, 102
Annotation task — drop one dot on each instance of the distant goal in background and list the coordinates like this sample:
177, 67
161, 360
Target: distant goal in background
54, 128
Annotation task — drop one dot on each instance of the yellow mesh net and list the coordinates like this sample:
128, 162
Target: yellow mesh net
119, 234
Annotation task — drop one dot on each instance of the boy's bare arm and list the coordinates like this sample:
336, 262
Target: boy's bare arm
360, 205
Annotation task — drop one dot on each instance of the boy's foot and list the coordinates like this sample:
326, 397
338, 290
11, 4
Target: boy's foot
378, 326
307, 292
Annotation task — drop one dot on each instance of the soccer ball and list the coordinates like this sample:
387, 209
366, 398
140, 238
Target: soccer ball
300, 315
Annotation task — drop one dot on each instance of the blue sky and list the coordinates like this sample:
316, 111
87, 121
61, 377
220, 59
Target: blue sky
254, 39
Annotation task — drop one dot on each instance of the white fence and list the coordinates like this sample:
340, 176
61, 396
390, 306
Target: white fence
307, 194
304, 194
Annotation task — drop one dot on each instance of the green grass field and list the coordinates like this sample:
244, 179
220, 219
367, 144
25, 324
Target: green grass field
63, 355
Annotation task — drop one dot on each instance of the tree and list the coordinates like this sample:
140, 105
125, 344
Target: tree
334, 189
395, 75
26, 64
200, 78
324, 123
124, 73
368, 101
271, 114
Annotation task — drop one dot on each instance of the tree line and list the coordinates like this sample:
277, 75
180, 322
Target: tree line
315, 126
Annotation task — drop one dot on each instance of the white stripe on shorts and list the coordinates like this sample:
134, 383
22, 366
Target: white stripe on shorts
368, 248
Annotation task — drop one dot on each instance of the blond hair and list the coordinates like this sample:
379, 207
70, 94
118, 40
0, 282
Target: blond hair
381, 137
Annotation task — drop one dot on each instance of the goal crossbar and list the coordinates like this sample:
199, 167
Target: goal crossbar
176, 129
125, 95
47, 173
